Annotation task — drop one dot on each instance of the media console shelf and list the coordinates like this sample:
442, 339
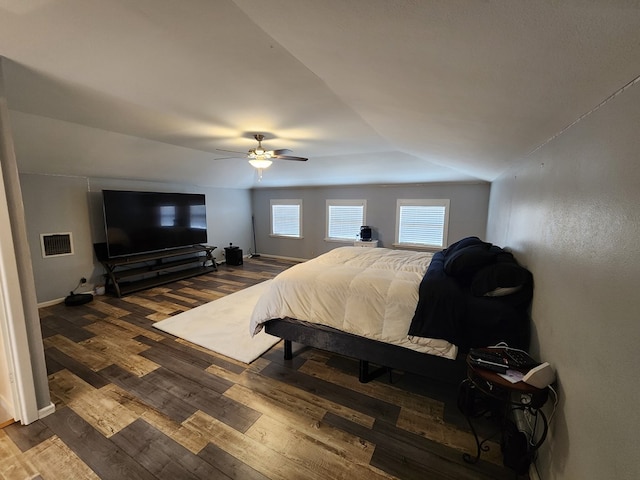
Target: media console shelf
138, 272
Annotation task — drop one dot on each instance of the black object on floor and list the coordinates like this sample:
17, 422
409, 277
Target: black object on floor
76, 299
233, 255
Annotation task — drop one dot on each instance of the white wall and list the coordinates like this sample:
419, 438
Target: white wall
74, 204
55, 204
571, 213
467, 213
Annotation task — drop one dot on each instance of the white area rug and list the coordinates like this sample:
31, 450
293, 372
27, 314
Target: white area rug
223, 325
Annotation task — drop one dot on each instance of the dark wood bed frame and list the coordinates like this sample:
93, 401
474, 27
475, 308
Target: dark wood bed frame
386, 356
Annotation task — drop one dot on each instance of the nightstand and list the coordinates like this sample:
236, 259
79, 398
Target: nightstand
362, 243
485, 393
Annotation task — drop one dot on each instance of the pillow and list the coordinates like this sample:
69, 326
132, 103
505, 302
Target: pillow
464, 262
499, 279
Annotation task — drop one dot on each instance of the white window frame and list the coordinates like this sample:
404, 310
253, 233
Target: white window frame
291, 202
345, 203
402, 202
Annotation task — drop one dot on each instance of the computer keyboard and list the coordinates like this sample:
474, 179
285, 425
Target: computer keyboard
519, 360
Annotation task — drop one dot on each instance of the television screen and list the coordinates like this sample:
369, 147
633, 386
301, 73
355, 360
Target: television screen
142, 222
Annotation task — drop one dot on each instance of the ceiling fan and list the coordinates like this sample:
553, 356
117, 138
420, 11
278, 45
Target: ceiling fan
261, 158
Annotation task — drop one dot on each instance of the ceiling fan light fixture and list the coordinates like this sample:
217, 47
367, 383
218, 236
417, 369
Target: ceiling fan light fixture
260, 163
259, 154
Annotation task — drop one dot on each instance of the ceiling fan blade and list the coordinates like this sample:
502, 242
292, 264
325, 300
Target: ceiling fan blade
282, 151
287, 157
232, 151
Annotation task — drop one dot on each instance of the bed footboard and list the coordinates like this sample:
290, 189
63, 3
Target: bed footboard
365, 350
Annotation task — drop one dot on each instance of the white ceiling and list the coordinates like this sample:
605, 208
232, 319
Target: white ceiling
372, 91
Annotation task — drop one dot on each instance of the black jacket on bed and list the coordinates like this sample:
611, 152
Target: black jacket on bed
474, 294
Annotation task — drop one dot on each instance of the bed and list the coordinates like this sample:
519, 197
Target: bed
362, 303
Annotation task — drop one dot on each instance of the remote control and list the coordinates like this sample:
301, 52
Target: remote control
494, 367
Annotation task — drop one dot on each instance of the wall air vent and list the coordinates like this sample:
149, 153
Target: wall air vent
56, 244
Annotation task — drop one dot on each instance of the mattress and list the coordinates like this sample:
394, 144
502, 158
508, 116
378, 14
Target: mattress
370, 292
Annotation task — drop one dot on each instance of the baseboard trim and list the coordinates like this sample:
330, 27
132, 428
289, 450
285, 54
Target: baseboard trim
280, 257
51, 302
48, 410
56, 301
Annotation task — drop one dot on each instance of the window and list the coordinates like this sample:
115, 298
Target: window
286, 218
422, 223
344, 219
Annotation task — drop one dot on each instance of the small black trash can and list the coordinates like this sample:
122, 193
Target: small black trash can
233, 255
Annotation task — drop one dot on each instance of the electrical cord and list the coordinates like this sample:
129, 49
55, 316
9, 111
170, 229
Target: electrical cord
536, 414
507, 347
555, 402
553, 411
80, 283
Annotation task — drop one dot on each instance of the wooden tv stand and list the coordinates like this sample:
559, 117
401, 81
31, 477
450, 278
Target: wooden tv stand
138, 272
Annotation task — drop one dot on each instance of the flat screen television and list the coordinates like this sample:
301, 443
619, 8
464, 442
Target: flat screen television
144, 222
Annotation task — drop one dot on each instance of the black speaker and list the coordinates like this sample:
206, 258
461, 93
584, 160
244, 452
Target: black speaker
365, 233
102, 253
233, 255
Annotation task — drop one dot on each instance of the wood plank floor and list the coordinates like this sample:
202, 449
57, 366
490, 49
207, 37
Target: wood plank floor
135, 403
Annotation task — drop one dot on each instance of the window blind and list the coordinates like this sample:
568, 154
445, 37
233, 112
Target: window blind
344, 221
422, 225
285, 220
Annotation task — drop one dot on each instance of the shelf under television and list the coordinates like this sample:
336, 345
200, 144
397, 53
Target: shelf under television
150, 282
166, 267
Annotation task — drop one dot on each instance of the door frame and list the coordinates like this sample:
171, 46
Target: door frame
13, 324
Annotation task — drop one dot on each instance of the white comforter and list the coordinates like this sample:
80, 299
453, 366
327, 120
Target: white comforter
371, 292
